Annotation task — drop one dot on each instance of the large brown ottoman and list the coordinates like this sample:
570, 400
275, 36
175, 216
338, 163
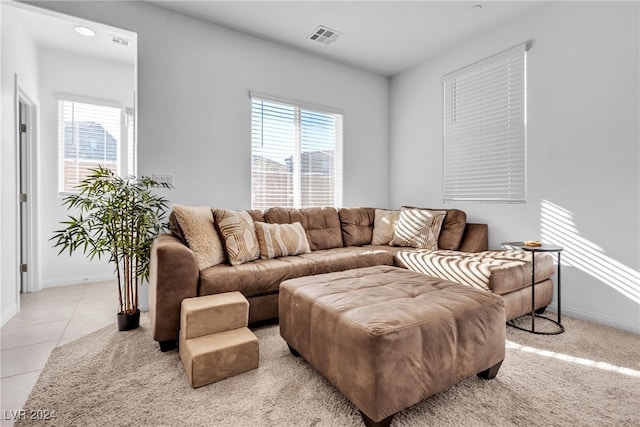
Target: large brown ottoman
387, 337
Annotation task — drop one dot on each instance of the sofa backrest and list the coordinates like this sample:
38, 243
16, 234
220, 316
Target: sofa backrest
328, 228
357, 225
322, 225
175, 229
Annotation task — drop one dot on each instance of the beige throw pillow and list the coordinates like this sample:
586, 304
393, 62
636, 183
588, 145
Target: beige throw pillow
418, 228
238, 235
278, 240
384, 224
196, 223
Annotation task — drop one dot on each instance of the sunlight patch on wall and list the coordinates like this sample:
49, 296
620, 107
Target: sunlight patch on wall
572, 359
558, 227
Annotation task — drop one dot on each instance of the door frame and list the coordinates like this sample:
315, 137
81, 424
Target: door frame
32, 120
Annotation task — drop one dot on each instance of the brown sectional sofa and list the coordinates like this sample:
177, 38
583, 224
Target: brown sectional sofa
339, 240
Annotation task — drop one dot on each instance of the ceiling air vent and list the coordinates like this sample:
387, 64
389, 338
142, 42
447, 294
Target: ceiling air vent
120, 41
325, 35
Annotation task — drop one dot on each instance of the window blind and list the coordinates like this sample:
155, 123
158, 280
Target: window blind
89, 135
296, 155
484, 130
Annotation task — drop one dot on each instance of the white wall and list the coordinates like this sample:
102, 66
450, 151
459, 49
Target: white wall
91, 79
583, 164
194, 106
194, 80
19, 56
583, 148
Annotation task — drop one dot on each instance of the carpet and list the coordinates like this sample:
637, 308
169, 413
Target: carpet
588, 376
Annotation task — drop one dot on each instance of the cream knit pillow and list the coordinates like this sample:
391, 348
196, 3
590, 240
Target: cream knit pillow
196, 223
384, 224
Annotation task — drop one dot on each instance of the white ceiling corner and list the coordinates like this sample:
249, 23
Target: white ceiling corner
385, 37
55, 30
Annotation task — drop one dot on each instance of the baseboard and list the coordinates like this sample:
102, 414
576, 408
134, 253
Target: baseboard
53, 283
596, 318
11, 311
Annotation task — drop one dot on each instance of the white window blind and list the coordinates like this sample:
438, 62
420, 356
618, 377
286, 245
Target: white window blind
485, 130
296, 155
89, 135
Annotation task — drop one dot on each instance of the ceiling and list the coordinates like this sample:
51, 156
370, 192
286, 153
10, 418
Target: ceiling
386, 37
53, 30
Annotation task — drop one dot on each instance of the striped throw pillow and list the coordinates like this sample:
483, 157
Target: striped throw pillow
418, 228
278, 240
238, 235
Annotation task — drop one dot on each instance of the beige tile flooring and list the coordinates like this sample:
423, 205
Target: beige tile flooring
47, 319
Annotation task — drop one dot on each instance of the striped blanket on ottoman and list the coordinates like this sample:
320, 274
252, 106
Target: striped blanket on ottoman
501, 272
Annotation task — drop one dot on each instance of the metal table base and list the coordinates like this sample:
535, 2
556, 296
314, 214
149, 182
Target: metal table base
534, 315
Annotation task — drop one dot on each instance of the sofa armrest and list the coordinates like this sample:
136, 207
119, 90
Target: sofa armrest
475, 238
173, 276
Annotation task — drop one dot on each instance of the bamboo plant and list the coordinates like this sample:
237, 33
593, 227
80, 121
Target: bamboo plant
117, 217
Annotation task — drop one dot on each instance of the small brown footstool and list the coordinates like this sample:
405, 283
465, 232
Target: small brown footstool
215, 342
387, 337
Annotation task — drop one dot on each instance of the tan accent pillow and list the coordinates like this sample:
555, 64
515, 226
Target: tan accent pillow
322, 225
277, 240
196, 224
418, 228
238, 235
384, 225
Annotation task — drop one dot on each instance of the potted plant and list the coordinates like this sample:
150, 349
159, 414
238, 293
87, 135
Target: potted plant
118, 217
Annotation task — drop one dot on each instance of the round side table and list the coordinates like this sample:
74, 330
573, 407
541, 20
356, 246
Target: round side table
520, 246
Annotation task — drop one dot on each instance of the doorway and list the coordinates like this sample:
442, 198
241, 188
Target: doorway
59, 63
26, 131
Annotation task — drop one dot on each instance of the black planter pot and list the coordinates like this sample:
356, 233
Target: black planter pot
127, 322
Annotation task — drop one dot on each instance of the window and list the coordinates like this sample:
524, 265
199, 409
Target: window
484, 130
91, 135
296, 155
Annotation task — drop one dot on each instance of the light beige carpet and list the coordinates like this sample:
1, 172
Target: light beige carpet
588, 376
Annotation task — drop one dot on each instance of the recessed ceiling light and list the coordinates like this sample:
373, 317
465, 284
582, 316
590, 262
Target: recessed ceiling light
85, 31
476, 7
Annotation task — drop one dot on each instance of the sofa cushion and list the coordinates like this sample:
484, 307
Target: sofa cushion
195, 224
238, 235
384, 225
256, 215
499, 271
340, 259
418, 228
512, 269
278, 240
174, 227
322, 225
260, 277
391, 249
452, 229
357, 225
263, 276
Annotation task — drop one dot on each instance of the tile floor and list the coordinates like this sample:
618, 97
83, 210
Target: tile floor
47, 319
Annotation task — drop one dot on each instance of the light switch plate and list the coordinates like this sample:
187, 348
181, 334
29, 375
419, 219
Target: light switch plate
166, 178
